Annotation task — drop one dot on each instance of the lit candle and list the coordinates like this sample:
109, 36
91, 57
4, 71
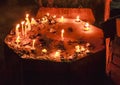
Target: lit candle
54, 16
18, 40
57, 53
26, 27
77, 19
33, 21
28, 21
62, 19
33, 44
62, 34
82, 48
17, 29
22, 23
44, 50
77, 48
86, 26
48, 14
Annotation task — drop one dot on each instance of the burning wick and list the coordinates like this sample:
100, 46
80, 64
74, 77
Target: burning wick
33, 21
77, 48
28, 21
57, 53
77, 19
44, 51
33, 44
18, 40
62, 34
62, 19
86, 26
17, 29
22, 23
48, 14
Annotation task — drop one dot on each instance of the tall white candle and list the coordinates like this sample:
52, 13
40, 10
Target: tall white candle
33, 44
62, 34
17, 29
28, 21
22, 23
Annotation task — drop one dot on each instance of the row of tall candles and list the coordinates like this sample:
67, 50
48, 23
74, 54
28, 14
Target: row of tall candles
26, 26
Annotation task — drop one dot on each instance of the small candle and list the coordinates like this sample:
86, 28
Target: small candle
77, 19
77, 48
62, 19
57, 54
86, 26
44, 50
28, 21
26, 27
18, 40
54, 16
62, 34
82, 48
33, 21
33, 44
48, 14
22, 23
17, 29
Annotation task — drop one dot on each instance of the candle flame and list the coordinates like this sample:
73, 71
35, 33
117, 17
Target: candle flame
54, 16
27, 15
77, 19
62, 19
47, 14
77, 48
17, 26
86, 26
22, 22
44, 50
57, 53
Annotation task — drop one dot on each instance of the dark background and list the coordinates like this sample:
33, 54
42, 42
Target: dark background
12, 11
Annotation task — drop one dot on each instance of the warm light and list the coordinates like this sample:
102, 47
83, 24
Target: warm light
33, 44
28, 21
62, 34
82, 48
22, 23
77, 48
62, 19
86, 26
54, 16
17, 29
27, 15
44, 50
18, 40
33, 21
77, 19
87, 51
48, 14
57, 54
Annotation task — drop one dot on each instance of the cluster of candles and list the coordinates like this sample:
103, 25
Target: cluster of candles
27, 26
